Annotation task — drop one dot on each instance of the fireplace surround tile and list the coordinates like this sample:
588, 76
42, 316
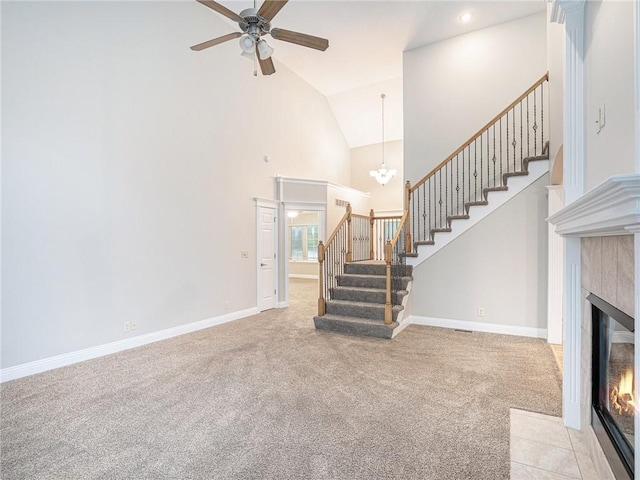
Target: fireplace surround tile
609, 281
592, 264
625, 278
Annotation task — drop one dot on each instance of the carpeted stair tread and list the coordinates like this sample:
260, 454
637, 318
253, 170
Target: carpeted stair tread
424, 242
478, 203
486, 191
519, 173
450, 218
365, 294
367, 281
374, 311
354, 325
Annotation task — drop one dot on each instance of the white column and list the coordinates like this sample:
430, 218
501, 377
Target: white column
555, 265
571, 13
636, 313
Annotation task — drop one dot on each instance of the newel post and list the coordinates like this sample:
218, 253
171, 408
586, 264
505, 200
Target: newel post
321, 301
349, 242
372, 253
388, 311
407, 204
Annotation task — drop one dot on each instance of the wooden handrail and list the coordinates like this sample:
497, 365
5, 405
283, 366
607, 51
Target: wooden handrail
335, 232
543, 79
403, 219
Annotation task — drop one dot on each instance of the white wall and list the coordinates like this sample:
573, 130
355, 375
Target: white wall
360, 204
555, 56
453, 87
130, 164
609, 63
364, 159
496, 265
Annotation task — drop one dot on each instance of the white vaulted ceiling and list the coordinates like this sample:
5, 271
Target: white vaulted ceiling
366, 41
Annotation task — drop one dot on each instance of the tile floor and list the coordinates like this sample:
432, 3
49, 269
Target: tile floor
542, 448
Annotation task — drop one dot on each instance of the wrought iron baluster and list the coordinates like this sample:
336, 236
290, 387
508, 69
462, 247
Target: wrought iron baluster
514, 143
481, 169
475, 170
535, 125
494, 155
458, 184
521, 143
507, 144
542, 117
528, 149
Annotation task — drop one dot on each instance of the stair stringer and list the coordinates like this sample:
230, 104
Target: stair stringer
516, 185
402, 321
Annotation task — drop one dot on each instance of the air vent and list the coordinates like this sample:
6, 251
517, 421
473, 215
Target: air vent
341, 203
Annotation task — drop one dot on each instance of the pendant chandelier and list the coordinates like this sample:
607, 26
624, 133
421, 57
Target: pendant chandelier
382, 175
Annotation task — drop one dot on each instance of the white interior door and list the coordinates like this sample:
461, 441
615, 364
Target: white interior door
266, 258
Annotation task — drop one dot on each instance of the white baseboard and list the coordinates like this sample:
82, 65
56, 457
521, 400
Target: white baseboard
282, 304
300, 275
38, 366
479, 327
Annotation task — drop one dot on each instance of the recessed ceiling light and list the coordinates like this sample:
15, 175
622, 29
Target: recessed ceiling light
465, 17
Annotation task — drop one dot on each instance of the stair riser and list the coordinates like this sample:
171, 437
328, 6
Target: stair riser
368, 269
369, 282
378, 331
372, 312
364, 296
365, 282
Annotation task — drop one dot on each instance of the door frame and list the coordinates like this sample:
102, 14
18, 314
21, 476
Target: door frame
271, 205
321, 209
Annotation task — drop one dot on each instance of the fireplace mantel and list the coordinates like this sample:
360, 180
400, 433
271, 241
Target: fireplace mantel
611, 208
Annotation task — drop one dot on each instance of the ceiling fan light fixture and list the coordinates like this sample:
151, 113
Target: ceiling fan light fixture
248, 44
264, 50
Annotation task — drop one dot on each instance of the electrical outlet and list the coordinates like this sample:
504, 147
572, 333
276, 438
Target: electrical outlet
127, 326
134, 325
244, 254
226, 306
481, 312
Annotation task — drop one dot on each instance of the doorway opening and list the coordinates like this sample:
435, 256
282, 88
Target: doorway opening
303, 231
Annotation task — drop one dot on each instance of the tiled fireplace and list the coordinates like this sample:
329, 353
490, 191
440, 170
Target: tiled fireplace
606, 221
608, 285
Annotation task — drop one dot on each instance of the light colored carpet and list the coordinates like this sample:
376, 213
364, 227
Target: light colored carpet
269, 397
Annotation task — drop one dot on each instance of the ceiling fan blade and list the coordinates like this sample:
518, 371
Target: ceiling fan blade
266, 66
270, 8
300, 39
216, 41
221, 9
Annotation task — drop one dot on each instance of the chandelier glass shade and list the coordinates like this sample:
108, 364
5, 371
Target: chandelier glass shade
382, 175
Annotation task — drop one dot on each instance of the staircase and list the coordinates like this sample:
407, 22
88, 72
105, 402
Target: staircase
357, 304
362, 295
492, 198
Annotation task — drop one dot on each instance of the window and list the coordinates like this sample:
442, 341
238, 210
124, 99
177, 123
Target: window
304, 242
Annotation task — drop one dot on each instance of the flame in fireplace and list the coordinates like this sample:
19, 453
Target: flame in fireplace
622, 396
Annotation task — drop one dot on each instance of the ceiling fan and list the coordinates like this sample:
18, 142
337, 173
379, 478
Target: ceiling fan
255, 23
